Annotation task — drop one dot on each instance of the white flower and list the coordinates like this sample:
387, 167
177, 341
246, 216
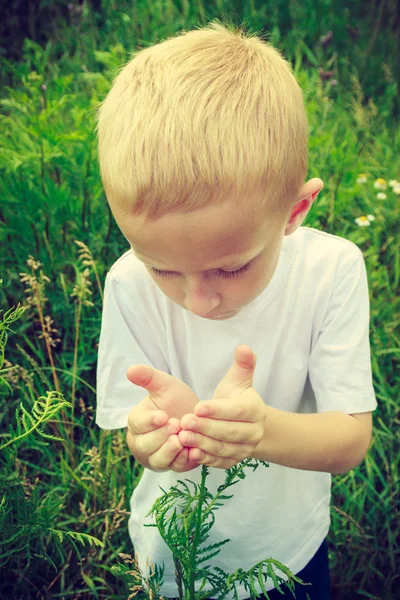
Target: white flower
380, 184
393, 182
364, 221
381, 196
396, 188
361, 178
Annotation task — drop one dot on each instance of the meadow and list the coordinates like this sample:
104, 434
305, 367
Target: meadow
64, 498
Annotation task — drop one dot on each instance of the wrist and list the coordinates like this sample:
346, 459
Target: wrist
328, 442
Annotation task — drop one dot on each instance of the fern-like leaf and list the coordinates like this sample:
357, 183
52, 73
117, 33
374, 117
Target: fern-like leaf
43, 410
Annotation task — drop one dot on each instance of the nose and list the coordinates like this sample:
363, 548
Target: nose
200, 298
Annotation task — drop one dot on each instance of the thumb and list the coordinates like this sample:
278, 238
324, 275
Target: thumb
240, 376
147, 377
242, 370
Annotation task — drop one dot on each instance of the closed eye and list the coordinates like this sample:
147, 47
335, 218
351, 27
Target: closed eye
220, 272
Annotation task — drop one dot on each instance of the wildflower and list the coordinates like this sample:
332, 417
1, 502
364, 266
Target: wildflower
34, 76
364, 221
361, 178
353, 31
326, 39
333, 82
48, 331
380, 184
395, 185
14, 373
381, 196
396, 188
86, 257
81, 288
84, 253
36, 287
325, 74
93, 462
43, 87
74, 8
35, 264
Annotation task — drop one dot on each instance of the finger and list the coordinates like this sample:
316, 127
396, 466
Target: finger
151, 379
142, 421
240, 375
195, 455
217, 462
226, 431
213, 447
237, 409
175, 422
182, 463
148, 443
163, 457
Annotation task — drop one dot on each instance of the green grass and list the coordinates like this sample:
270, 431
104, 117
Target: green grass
52, 196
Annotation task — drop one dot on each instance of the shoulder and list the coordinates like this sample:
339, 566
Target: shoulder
320, 251
127, 276
126, 264
327, 243
129, 282
129, 272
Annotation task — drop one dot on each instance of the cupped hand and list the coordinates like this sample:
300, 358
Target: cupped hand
218, 432
168, 400
227, 429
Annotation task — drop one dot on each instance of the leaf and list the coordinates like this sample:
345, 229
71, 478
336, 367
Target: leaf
85, 537
90, 584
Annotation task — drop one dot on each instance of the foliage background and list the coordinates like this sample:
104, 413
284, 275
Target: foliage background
58, 238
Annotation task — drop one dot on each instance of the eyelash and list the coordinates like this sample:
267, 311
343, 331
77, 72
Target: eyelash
221, 273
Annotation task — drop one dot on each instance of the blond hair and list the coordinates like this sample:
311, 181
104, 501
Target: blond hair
207, 115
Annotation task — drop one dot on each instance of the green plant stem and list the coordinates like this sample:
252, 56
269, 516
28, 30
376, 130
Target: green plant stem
42, 419
45, 337
20, 437
98, 282
197, 533
223, 488
74, 368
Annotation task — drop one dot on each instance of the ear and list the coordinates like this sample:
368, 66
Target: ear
300, 211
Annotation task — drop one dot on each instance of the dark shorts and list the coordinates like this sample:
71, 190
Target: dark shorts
315, 572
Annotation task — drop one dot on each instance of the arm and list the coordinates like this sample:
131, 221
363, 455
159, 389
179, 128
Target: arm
236, 423
332, 442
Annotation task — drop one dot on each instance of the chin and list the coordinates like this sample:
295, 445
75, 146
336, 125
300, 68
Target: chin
227, 315
223, 317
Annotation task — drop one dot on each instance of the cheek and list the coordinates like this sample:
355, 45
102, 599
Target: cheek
258, 281
253, 284
170, 288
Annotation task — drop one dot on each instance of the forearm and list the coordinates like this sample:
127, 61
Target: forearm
332, 442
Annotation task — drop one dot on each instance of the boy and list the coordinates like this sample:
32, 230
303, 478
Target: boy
203, 156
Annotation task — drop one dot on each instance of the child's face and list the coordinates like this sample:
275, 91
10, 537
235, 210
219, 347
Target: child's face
201, 249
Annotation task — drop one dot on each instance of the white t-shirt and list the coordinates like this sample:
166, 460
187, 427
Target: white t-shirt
310, 331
